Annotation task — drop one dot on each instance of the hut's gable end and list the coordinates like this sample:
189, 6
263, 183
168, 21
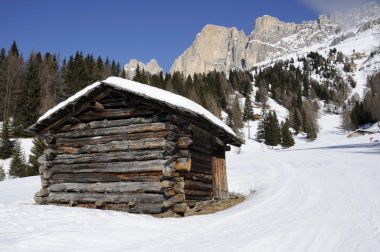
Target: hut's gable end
112, 155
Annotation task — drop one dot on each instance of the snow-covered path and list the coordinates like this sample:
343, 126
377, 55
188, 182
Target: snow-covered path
321, 196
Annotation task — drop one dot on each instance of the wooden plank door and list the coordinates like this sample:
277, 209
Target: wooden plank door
219, 174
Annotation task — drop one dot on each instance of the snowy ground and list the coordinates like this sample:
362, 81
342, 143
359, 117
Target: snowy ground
320, 196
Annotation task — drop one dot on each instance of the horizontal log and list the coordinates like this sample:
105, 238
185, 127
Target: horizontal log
198, 193
169, 192
104, 177
184, 142
102, 197
198, 197
200, 133
190, 184
178, 198
130, 129
118, 187
66, 150
45, 182
79, 142
200, 149
204, 143
109, 157
108, 100
200, 165
180, 208
49, 139
116, 167
200, 157
108, 124
50, 154
202, 170
147, 208
115, 114
142, 144
198, 177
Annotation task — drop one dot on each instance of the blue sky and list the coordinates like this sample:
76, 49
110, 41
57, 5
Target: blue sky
124, 30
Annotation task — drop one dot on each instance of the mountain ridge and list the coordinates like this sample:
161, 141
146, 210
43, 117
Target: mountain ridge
226, 48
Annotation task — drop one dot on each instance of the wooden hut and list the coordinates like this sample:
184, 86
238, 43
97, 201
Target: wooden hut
122, 145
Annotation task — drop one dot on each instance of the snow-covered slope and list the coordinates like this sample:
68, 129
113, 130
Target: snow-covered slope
319, 196
366, 44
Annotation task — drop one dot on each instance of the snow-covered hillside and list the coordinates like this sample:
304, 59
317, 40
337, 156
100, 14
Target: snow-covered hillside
366, 44
319, 196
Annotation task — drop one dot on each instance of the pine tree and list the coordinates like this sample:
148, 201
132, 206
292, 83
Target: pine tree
297, 121
287, 139
123, 74
18, 166
2, 173
236, 115
36, 151
248, 109
137, 76
5, 142
260, 134
29, 98
272, 130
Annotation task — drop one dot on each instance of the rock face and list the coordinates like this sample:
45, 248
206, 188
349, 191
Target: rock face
216, 47
220, 48
130, 68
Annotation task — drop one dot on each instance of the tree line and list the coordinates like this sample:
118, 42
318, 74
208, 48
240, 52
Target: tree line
33, 85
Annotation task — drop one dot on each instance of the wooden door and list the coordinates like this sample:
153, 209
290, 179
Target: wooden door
219, 174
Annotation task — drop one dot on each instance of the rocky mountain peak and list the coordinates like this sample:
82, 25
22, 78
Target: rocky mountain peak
152, 67
215, 47
222, 49
269, 25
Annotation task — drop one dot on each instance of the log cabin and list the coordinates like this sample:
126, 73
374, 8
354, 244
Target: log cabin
123, 145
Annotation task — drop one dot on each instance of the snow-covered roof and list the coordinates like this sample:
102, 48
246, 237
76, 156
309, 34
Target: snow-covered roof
146, 91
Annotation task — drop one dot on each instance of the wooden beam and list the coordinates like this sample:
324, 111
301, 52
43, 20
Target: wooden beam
130, 129
113, 167
102, 197
116, 187
96, 177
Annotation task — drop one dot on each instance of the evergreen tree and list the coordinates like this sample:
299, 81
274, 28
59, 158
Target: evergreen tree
36, 151
2, 173
272, 130
123, 74
5, 142
287, 139
248, 109
297, 121
18, 166
29, 98
260, 134
236, 115
137, 76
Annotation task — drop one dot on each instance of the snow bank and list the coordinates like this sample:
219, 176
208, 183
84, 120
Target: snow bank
320, 196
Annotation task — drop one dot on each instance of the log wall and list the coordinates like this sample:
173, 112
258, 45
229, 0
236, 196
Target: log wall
112, 157
124, 154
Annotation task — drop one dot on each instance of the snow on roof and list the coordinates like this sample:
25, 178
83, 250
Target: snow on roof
147, 91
